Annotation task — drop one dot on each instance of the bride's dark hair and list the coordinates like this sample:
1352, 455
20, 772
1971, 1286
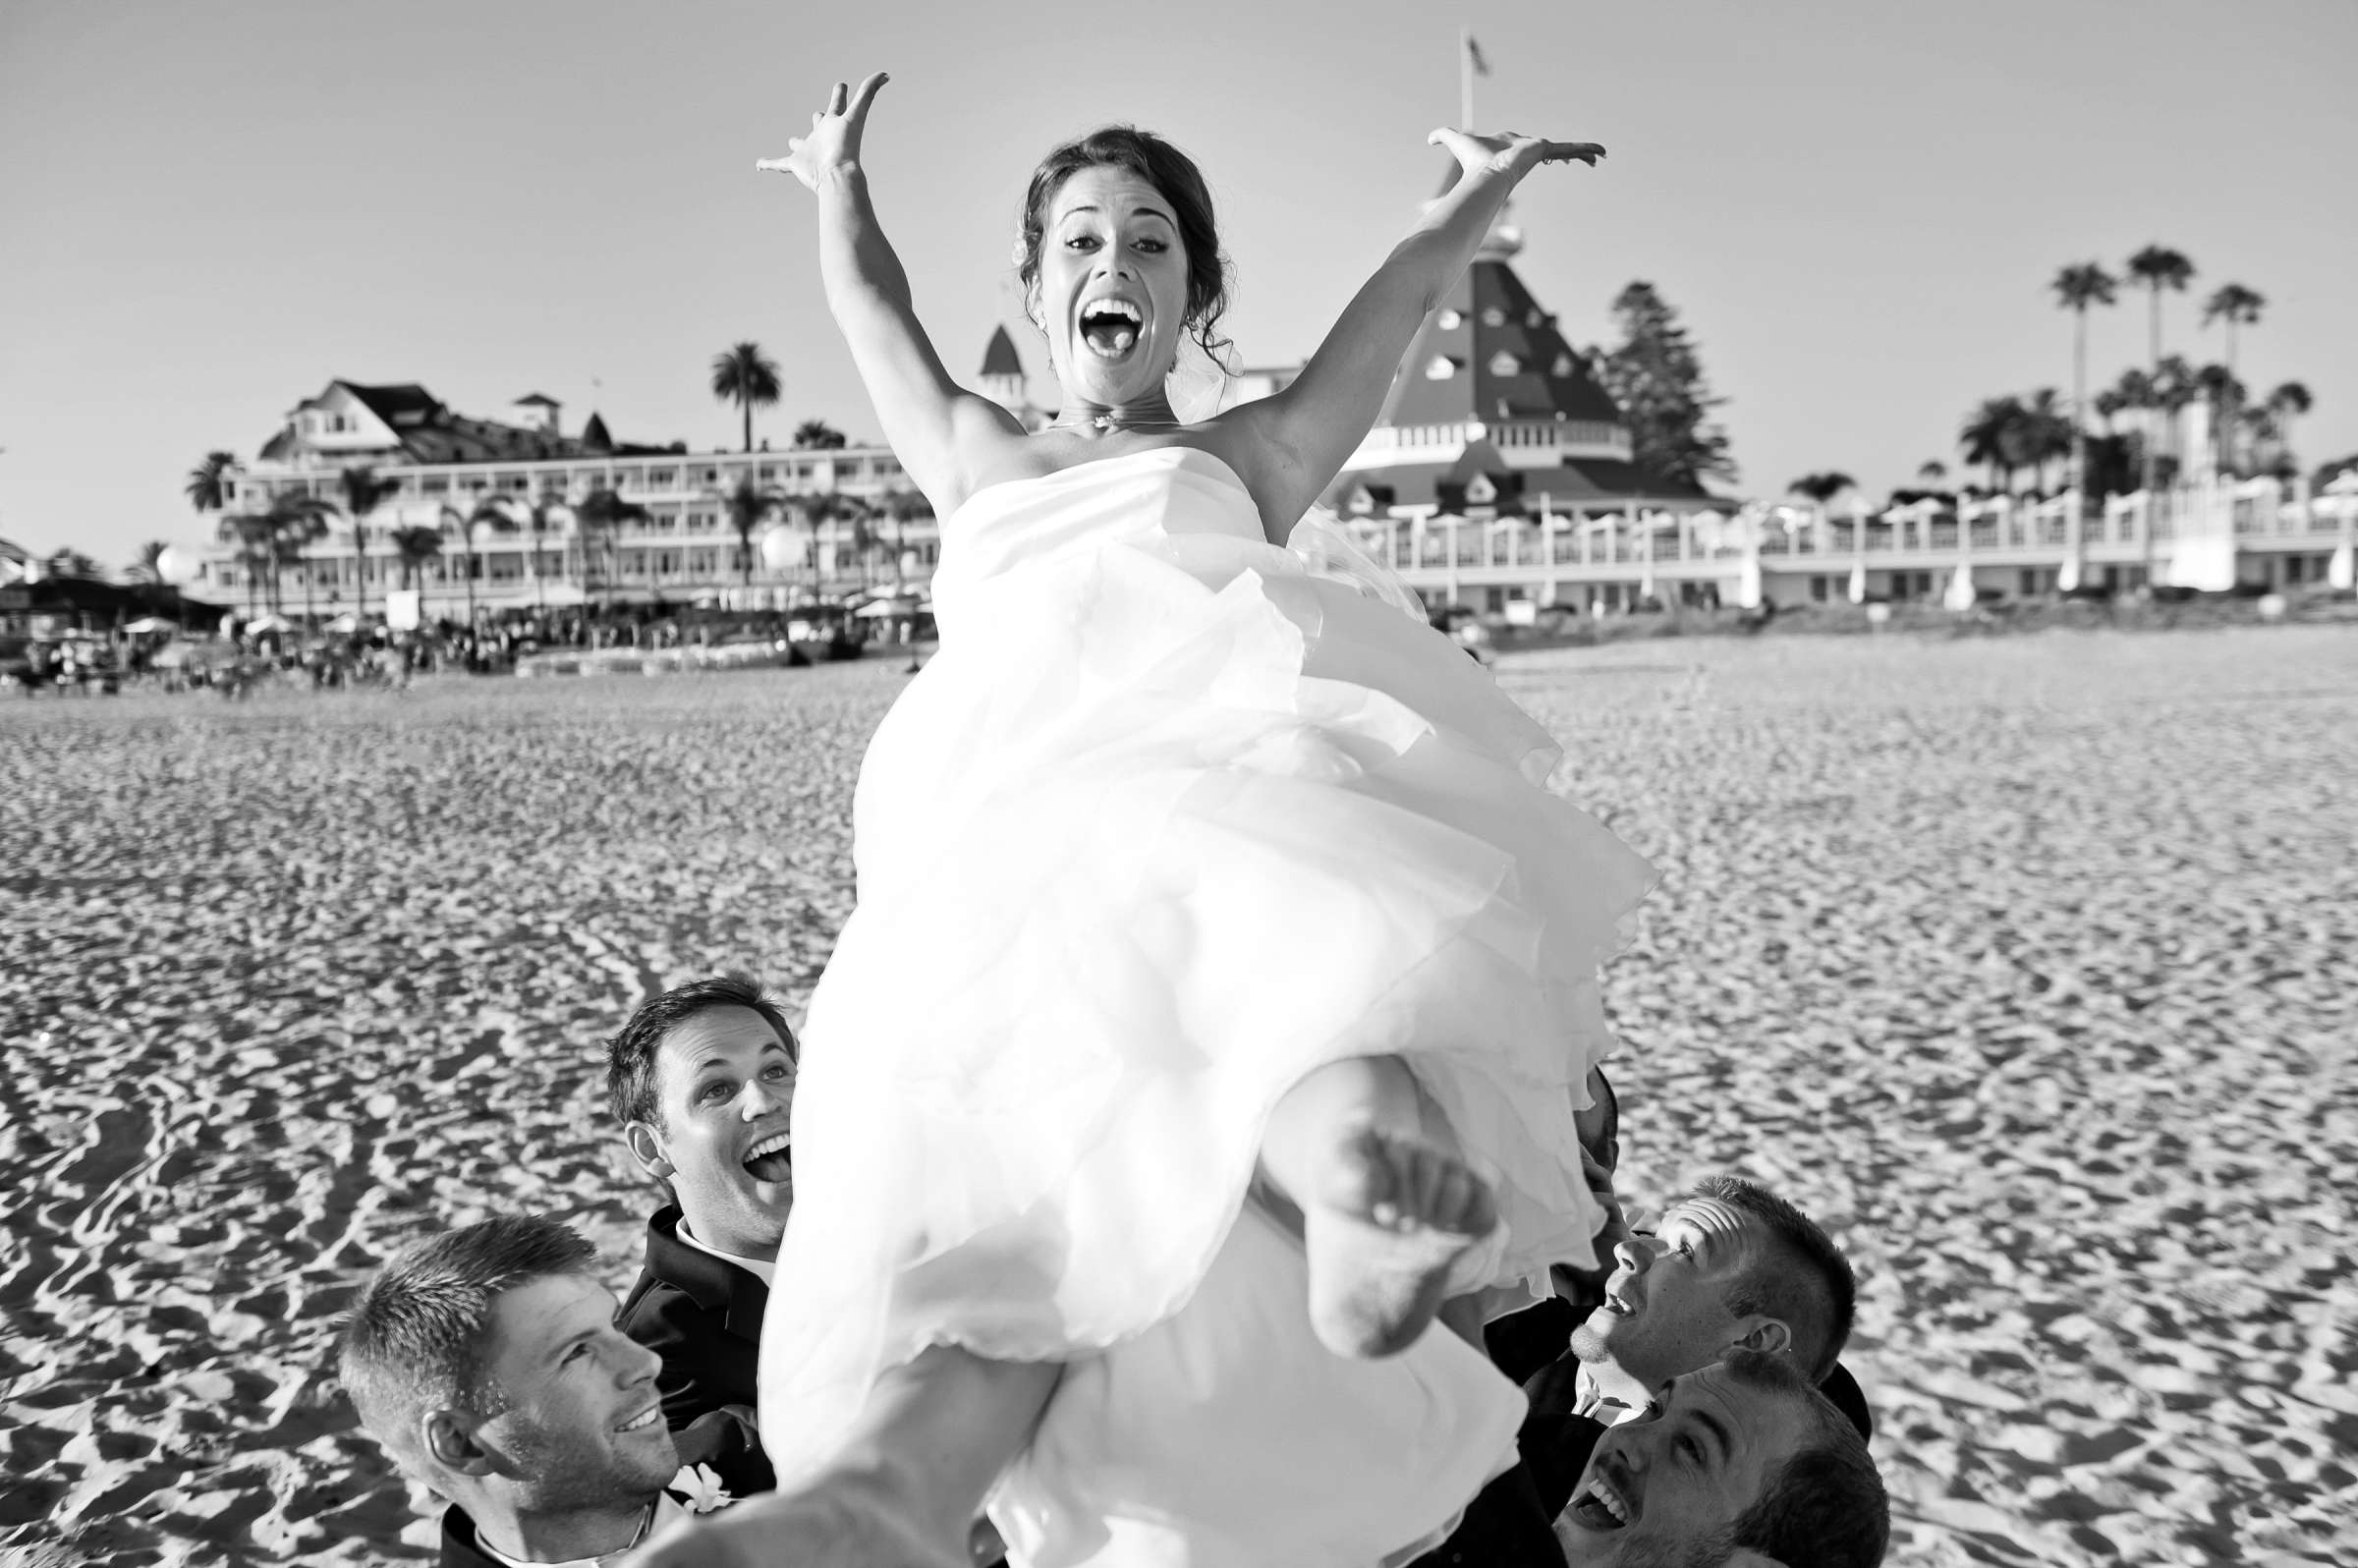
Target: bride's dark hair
1171, 172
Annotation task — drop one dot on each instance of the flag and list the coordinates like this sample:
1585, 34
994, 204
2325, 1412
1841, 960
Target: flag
1482, 66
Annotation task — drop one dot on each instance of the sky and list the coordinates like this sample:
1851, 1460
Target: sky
210, 209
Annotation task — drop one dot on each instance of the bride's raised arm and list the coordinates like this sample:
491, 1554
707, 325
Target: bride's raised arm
940, 430
1295, 444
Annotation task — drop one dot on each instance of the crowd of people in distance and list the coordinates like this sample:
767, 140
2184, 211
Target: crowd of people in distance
1687, 1406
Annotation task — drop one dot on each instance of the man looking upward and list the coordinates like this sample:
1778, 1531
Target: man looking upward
1740, 1463
486, 1361
702, 1081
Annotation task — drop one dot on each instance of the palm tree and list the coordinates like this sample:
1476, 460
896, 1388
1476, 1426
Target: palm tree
2156, 267
491, 512
904, 507
456, 526
2173, 386
599, 515
2288, 402
534, 519
251, 532
415, 546
2222, 395
1822, 487
863, 517
744, 377
1931, 473
2043, 434
2076, 289
2109, 404
806, 515
2236, 305
747, 506
1987, 437
818, 435
283, 533
364, 493
72, 563
208, 488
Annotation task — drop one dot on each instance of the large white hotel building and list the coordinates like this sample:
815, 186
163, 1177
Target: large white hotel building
1498, 476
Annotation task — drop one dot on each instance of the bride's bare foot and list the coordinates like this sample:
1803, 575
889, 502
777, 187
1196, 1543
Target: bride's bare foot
1386, 1218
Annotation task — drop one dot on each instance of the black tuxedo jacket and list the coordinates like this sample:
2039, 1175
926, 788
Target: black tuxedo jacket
702, 1316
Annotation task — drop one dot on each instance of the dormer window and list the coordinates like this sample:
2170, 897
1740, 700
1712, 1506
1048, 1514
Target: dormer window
1505, 363
1493, 317
1563, 365
1479, 491
1440, 367
1449, 321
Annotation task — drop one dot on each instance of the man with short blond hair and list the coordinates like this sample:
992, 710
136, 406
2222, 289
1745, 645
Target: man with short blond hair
486, 1361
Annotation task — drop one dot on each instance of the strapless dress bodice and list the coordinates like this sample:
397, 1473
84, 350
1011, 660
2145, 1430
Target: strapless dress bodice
1158, 492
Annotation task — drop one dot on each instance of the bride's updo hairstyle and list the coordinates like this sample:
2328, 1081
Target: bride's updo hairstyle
1174, 175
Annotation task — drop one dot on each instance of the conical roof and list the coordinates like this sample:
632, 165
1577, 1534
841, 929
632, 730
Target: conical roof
1488, 351
1000, 358
594, 435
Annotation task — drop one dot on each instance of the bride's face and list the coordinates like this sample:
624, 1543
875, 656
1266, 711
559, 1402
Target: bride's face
1112, 289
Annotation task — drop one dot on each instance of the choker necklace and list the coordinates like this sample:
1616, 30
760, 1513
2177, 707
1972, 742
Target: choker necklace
1106, 424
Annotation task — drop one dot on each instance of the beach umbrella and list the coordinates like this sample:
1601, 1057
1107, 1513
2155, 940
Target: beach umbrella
2341, 571
146, 624
1748, 584
176, 565
781, 551
270, 623
1960, 596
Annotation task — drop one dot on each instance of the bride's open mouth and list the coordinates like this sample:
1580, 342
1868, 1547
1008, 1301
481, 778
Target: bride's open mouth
1111, 327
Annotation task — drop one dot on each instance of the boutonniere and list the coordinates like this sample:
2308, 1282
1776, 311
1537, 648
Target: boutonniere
699, 1489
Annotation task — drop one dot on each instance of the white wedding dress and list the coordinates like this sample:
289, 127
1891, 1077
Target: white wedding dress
1173, 817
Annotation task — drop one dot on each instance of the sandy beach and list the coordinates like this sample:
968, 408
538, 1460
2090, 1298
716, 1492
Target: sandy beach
2029, 965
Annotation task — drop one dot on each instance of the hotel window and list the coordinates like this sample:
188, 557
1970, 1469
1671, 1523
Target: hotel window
434, 485
1449, 320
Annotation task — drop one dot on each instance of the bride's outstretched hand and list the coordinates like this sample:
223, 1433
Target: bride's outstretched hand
1510, 151
833, 144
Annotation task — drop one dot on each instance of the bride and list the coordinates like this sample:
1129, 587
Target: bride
1223, 977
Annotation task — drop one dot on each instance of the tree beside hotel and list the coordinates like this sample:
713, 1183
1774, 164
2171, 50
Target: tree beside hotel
749, 379
1656, 374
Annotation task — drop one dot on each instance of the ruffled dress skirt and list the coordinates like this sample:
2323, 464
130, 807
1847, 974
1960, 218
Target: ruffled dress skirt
1173, 817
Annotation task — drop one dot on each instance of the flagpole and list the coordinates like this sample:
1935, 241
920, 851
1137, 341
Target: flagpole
1465, 80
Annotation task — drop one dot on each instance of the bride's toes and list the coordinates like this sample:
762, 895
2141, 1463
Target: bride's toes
1386, 1224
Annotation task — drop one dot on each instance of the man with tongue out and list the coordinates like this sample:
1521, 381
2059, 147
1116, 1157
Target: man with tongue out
701, 1080
1743, 1463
